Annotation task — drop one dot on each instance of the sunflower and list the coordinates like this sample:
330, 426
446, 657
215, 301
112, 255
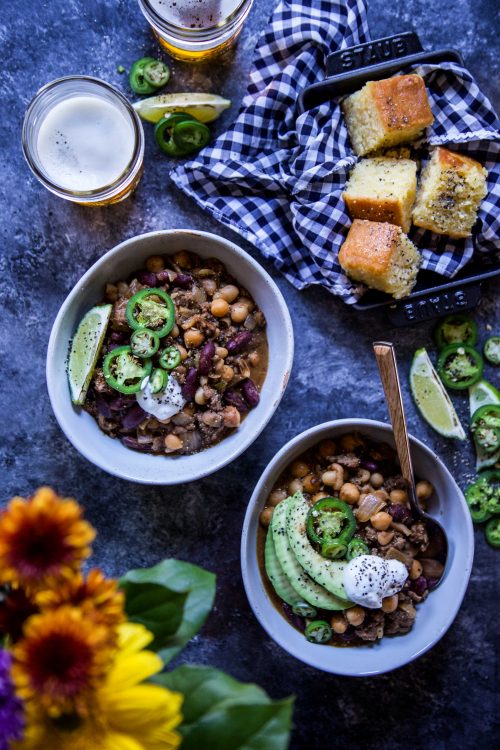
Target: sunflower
61, 659
42, 540
123, 714
96, 596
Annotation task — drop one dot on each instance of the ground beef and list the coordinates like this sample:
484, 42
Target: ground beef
372, 628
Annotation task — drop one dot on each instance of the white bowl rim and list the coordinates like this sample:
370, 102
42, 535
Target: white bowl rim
211, 467
248, 547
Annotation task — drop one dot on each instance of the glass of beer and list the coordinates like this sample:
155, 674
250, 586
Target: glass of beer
84, 141
196, 30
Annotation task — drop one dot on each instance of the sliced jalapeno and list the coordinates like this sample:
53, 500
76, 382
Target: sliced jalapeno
483, 496
318, 631
191, 135
303, 609
170, 358
136, 79
492, 532
156, 73
153, 309
164, 132
485, 428
158, 380
459, 366
125, 372
356, 547
456, 329
144, 342
331, 524
492, 350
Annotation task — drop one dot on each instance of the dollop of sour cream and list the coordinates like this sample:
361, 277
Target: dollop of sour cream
368, 579
162, 405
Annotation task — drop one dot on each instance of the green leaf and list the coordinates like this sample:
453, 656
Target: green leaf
172, 600
222, 713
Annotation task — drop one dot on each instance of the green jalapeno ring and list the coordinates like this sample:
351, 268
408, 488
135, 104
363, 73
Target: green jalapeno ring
170, 358
455, 329
136, 79
356, 547
485, 428
333, 550
144, 342
331, 521
158, 380
142, 312
121, 365
303, 609
190, 135
483, 496
164, 132
156, 73
318, 631
459, 366
492, 532
491, 350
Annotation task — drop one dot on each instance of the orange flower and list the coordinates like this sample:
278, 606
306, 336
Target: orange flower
96, 596
61, 660
42, 539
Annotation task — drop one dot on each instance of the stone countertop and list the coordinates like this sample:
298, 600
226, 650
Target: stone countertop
446, 698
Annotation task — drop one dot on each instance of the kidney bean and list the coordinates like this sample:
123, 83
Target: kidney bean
431, 582
234, 398
121, 402
103, 407
184, 280
119, 336
399, 513
133, 417
190, 384
163, 277
250, 392
370, 465
239, 341
148, 278
131, 442
419, 585
206, 356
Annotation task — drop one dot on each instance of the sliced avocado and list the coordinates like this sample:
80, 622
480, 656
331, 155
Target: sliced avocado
326, 573
305, 587
274, 571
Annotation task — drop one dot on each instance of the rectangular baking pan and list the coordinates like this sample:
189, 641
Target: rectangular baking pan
347, 71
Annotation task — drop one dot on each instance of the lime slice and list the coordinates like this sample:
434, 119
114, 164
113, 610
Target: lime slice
205, 107
482, 393
84, 351
431, 398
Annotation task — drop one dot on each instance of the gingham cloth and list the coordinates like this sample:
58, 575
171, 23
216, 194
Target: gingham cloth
278, 179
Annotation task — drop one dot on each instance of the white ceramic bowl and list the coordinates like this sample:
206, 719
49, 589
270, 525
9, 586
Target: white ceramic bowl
434, 615
82, 430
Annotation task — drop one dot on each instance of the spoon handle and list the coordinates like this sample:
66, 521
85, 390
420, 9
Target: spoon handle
386, 361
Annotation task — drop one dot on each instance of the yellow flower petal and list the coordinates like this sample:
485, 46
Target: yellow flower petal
118, 741
135, 668
133, 637
142, 707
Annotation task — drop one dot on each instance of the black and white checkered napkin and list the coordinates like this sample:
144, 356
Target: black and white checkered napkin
278, 180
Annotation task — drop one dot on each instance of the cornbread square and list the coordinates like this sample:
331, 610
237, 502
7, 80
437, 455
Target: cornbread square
381, 256
382, 189
451, 189
387, 113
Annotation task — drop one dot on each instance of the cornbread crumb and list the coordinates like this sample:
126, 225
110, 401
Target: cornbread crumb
387, 113
381, 256
382, 189
451, 189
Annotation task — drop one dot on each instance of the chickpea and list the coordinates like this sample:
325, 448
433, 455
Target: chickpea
182, 351
221, 352
311, 483
363, 476
232, 417
254, 358
327, 448
319, 496
247, 302
334, 477
424, 490
415, 570
385, 537
390, 603
295, 486
349, 443
229, 292
299, 469
173, 443
266, 516
182, 259
381, 521
409, 609
219, 308
238, 313
276, 497
227, 373
376, 480
199, 397
210, 286
398, 497
193, 338
355, 615
155, 263
349, 493
338, 623
175, 331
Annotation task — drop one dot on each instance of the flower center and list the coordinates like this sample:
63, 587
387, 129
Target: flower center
60, 665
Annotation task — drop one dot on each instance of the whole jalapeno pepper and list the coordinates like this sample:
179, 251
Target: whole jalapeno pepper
455, 329
125, 372
151, 308
331, 524
459, 366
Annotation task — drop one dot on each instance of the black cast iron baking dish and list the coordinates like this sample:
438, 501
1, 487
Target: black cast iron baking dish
347, 71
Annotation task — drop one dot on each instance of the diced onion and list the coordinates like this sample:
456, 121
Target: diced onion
367, 508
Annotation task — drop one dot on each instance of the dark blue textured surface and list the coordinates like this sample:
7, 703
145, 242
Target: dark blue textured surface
444, 700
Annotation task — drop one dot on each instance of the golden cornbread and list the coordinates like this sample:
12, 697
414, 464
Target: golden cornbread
381, 256
387, 113
382, 189
451, 189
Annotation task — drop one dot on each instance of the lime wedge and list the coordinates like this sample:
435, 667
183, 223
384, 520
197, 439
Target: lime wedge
482, 393
205, 107
431, 398
84, 351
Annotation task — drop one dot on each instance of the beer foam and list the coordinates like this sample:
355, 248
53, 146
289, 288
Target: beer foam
195, 14
85, 143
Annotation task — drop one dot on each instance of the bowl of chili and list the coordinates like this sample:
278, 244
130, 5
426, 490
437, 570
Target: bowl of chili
435, 613
82, 430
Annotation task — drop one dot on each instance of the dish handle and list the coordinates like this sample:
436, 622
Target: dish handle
433, 304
